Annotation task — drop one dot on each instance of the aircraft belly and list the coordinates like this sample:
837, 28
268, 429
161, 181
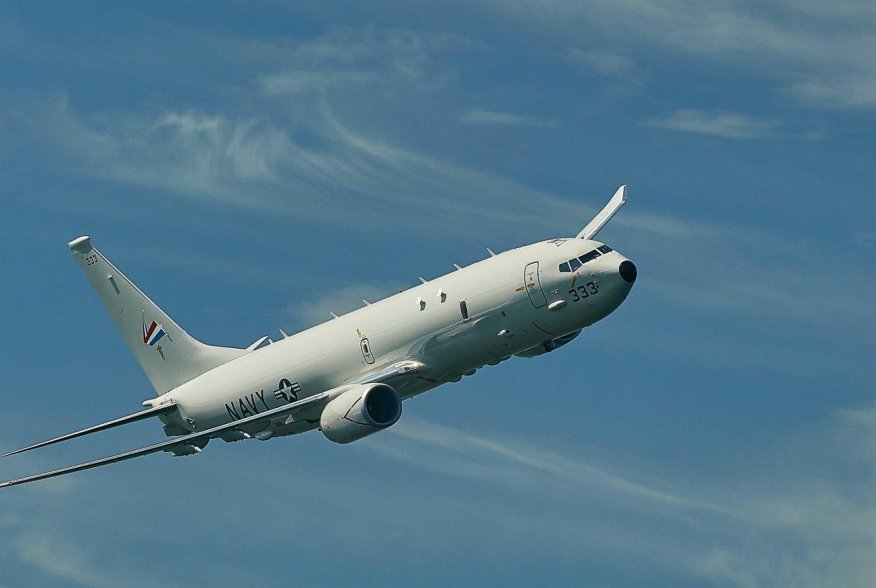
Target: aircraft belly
486, 339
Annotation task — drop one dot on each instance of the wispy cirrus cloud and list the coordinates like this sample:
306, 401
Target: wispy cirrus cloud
336, 173
726, 125
340, 301
383, 58
479, 116
312, 167
602, 61
822, 60
805, 531
502, 461
64, 562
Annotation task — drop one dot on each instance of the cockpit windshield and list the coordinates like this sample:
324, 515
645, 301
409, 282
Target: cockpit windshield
573, 264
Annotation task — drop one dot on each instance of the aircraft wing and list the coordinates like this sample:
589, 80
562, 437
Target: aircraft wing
600, 220
390, 372
178, 441
401, 368
131, 418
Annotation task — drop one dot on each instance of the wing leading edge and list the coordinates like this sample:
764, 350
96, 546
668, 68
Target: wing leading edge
131, 418
178, 441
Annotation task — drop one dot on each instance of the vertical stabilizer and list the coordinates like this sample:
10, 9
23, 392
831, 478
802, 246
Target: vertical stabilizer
167, 354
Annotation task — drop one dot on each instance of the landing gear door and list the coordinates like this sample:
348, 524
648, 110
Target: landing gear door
533, 285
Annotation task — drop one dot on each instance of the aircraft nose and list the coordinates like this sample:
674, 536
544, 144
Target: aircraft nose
628, 271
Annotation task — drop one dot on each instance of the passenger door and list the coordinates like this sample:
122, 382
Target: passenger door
533, 285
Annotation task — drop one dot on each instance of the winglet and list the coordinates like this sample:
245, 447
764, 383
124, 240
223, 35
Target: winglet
601, 219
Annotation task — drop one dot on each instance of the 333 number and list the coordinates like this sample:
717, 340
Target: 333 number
585, 291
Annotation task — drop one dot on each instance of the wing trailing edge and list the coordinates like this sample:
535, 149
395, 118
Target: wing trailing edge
131, 418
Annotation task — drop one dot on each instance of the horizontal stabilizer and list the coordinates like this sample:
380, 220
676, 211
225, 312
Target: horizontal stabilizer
601, 219
185, 440
131, 418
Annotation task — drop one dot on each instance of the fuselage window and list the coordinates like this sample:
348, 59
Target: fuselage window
564, 267
463, 310
574, 264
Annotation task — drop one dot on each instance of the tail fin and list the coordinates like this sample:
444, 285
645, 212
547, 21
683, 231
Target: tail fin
167, 354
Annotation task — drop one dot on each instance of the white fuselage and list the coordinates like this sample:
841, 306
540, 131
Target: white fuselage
508, 312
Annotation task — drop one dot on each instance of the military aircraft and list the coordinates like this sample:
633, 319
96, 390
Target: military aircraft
347, 377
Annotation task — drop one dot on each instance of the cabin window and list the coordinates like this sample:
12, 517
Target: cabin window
463, 310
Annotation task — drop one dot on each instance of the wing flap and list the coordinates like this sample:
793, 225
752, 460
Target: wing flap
178, 441
601, 219
131, 418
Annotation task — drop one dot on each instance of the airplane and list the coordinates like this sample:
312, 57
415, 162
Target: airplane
348, 376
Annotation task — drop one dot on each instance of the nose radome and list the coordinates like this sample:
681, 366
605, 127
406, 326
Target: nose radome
628, 271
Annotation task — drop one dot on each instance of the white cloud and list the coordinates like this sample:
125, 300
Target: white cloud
604, 62
340, 301
63, 561
457, 453
823, 59
355, 180
301, 82
190, 123
382, 58
781, 524
478, 116
837, 92
727, 125
255, 164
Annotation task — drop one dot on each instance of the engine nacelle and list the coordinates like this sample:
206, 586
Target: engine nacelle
360, 411
549, 345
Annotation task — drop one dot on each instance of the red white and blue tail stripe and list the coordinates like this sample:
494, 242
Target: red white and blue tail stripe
153, 333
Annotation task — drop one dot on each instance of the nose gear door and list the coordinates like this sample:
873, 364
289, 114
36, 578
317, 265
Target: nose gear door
533, 285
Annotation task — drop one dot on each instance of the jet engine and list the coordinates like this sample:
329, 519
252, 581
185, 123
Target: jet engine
548, 345
360, 411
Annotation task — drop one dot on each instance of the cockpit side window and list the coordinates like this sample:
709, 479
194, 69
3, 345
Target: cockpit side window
574, 264
564, 267
604, 249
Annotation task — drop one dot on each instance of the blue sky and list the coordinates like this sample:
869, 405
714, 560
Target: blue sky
253, 167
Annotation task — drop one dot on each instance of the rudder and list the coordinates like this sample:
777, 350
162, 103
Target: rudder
167, 354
